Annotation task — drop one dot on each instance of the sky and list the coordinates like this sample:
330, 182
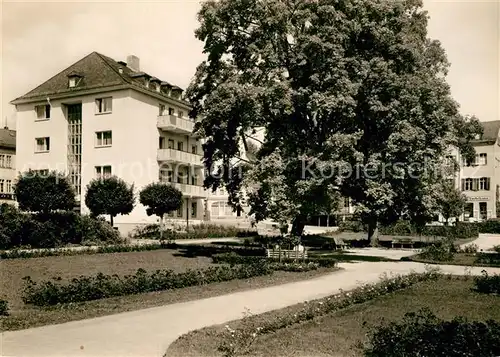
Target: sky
40, 39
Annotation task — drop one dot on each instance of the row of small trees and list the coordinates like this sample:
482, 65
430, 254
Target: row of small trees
105, 196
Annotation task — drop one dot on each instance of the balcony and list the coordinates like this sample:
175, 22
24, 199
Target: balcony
191, 191
177, 156
175, 124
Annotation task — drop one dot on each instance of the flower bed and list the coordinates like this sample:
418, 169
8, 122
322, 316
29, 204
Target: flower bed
101, 286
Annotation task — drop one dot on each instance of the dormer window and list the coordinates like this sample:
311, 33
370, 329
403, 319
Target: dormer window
74, 79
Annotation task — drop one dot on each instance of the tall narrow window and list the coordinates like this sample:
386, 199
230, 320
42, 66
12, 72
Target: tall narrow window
483, 159
483, 210
194, 149
180, 114
8, 161
194, 209
484, 184
170, 144
104, 138
161, 142
103, 105
2, 160
162, 109
171, 111
2, 183
42, 144
8, 186
179, 211
42, 111
180, 146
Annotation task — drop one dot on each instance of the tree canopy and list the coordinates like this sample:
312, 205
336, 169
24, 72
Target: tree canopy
36, 192
111, 196
351, 96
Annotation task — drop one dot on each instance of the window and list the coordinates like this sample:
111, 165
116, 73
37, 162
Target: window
194, 149
482, 159
103, 105
8, 186
2, 182
180, 146
170, 144
469, 210
179, 178
2, 160
179, 211
42, 144
161, 142
194, 180
8, 161
483, 210
484, 184
194, 209
104, 138
103, 171
162, 109
72, 82
42, 111
157, 87
180, 114
171, 111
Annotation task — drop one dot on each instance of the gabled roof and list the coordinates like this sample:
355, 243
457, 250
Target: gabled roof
490, 133
7, 138
97, 71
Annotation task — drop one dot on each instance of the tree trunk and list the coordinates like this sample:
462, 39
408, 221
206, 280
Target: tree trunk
298, 226
111, 219
161, 227
373, 232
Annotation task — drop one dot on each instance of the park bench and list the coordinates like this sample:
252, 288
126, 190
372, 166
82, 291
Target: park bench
402, 242
340, 244
286, 253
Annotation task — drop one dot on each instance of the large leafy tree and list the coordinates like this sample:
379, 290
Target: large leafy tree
451, 201
351, 96
160, 199
111, 196
45, 193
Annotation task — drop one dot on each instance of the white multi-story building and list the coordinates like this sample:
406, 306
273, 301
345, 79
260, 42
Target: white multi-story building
103, 117
7, 164
480, 180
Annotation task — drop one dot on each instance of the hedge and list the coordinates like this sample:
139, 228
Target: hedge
423, 334
100, 286
200, 231
488, 258
234, 259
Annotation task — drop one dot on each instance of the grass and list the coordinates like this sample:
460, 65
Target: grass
464, 259
68, 267
342, 333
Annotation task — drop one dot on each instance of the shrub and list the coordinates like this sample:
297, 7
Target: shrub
4, 308
198, 231
400, 228
53, 229
468, 249
439, 252
352, 226
86, 288
405, 228
423, 334
497, 248
487, 284
488, 259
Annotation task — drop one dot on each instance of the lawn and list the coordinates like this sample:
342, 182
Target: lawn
465, 259
68, 267
342, 333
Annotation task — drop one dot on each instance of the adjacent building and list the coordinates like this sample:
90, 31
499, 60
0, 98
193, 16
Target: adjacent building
7, 164
480, 180
101, 117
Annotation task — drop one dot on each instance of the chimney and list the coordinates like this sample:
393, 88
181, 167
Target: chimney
133, 63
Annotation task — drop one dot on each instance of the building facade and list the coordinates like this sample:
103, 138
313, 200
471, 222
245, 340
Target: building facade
7, 165
101, 117
480, 180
